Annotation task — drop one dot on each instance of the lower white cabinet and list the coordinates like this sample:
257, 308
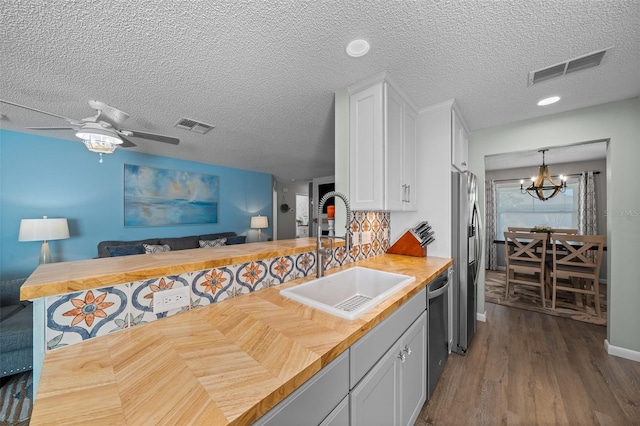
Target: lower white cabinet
394, 390
316, 399
380, 380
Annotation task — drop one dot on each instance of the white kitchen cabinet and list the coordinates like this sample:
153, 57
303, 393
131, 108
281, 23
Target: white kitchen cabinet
316, 399
394, 390
382, 147
459, 142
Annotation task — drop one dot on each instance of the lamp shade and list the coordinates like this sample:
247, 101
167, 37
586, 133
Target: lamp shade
259, 222
44, 229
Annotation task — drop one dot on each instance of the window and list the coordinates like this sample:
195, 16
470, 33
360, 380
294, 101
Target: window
521, 210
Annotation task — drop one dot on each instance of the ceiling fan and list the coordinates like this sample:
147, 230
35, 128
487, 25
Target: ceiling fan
101, 133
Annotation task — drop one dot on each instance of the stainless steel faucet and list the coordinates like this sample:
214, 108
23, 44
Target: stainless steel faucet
321, 251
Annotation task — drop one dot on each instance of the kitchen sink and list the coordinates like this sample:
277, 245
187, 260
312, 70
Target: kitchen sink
349, 293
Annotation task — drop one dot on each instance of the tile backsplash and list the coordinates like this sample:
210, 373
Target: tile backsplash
78, 316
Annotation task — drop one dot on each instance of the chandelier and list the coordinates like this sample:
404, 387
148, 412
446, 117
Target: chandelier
543, 187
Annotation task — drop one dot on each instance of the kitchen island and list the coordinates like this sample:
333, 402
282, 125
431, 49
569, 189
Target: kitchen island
226, 363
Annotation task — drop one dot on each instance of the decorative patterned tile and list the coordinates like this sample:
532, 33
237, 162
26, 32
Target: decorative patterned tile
306, 263
74, 317
280, 268
211, 286
251, 275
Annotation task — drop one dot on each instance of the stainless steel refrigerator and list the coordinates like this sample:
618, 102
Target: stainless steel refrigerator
466, 246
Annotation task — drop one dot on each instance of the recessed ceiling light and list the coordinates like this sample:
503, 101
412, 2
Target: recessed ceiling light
357, 48
548, 101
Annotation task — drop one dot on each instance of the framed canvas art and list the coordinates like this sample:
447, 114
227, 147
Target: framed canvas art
162, 197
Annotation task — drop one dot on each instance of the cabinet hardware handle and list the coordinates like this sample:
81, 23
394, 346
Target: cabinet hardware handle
464, 163
407, 349
408, 193
402, 356
404, 193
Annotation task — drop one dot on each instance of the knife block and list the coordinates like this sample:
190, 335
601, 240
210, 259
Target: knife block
408, 245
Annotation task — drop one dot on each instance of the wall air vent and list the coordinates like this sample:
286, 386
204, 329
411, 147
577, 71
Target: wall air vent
564, 68
193, 125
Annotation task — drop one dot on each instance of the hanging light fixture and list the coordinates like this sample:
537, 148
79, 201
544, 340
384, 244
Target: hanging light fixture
543, 184
98, 139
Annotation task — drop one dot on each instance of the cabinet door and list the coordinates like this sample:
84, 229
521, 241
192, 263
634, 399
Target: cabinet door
459, 143
410, 158
366, 167
413, 379
395, 186
376, 399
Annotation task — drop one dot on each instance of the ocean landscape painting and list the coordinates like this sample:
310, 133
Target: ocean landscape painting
161, 197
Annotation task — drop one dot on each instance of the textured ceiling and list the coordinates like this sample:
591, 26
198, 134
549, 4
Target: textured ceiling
264, 72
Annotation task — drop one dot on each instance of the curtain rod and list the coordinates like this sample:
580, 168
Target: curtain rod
595, 172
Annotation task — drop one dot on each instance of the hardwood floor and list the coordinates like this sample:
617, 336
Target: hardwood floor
527, 368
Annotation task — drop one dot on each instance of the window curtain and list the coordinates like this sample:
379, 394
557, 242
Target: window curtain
491, 252
587, 205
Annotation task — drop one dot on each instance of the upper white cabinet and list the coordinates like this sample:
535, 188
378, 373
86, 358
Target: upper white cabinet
459, 142
382, 147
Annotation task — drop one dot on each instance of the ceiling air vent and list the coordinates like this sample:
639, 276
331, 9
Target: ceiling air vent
572, 65
193, 125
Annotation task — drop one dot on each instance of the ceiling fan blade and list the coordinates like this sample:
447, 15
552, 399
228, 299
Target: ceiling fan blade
152, 136
126, 143
52, 128
70, 120
109, 113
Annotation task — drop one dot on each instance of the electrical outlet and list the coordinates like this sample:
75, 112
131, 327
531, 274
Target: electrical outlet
171, 299
365, 237
355, 241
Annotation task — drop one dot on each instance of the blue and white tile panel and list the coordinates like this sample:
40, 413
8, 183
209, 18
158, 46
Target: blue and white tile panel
78, 316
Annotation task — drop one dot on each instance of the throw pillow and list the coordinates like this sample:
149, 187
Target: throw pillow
152, 248
240, 239
213, 243
125, 250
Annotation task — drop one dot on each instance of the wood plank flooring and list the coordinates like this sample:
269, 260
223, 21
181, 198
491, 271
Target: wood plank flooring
527, 368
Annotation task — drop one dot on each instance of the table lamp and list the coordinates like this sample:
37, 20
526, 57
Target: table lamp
44, 229
259, 222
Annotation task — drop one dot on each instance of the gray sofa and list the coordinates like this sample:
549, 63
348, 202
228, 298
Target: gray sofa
180, 243
16, 330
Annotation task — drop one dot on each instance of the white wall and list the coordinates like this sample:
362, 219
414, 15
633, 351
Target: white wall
620, 123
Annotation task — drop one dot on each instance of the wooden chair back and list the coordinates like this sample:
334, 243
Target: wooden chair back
580, 255
528, 247
572, 231
525, 257
578, 259
516, 229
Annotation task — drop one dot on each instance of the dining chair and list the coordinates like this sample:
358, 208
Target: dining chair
577, 260
572, 231
525, 258
516, 229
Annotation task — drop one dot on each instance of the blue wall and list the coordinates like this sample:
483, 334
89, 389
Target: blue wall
60, 178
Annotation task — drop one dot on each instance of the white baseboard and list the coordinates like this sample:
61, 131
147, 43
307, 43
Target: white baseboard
621, 352
481, 316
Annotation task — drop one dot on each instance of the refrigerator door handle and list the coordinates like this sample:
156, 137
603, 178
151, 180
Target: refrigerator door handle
478, 242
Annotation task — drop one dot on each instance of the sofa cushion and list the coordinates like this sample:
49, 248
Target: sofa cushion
17, 330
115, 251
213, 243
181, 243
156, 248
207, 237
102, 246
239, 239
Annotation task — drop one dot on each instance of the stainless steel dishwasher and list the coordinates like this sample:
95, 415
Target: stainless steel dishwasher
438, 329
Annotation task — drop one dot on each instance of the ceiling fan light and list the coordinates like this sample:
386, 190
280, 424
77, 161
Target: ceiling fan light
99, 142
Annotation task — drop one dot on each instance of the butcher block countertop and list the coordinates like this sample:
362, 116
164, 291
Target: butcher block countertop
225, 363
52, 279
